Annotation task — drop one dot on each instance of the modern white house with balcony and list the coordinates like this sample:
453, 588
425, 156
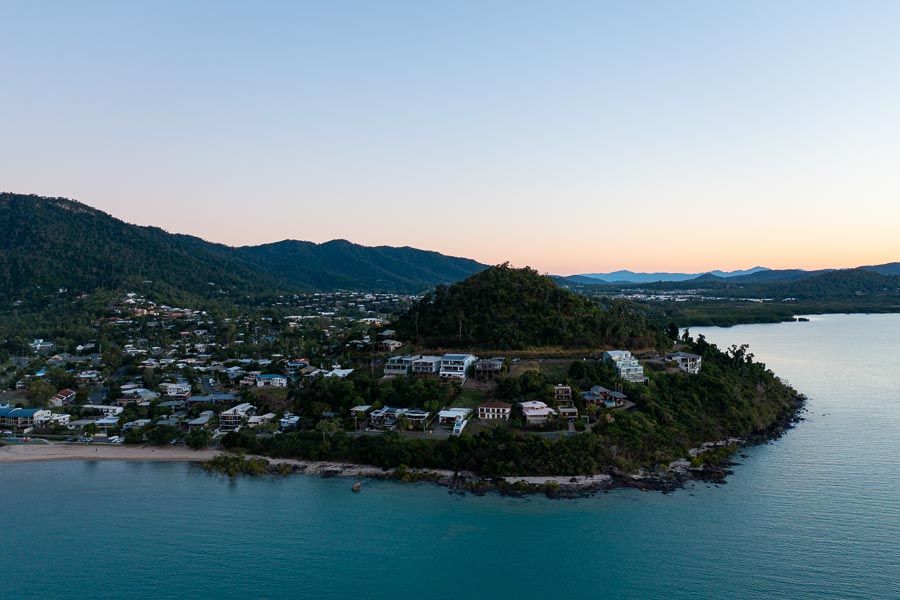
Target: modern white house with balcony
627, 366
687, 362
426, 365
400, 366
455, 366
233, 418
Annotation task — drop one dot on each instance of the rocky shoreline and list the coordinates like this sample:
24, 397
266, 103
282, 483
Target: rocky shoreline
709, 463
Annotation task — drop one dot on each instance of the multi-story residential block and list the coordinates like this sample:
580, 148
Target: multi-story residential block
455, 366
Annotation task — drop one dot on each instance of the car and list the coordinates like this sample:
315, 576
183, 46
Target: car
115, 440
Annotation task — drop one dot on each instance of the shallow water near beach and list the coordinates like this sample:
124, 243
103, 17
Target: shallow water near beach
815, 514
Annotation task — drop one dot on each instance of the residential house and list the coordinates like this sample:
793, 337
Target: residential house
687, 362
338, 372
562, 393
536, 412
426, 365
235, 417
390, 345
399, 366
289, 421
107, 410
270, 380
627, 366
489, 411
388, 417
134, 425
202, 421
41, 347
52, 420
455, 366
567, 410
488, 368
63, 398
600, 396
249, 379
176, 390
90, 376
448, 416
257, 420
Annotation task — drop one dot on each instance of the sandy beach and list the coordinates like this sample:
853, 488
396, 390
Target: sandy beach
44, 452
16, 453
38, 452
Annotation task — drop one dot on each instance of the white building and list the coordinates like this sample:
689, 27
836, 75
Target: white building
390, 345
270, 380
399, 366
489, 411
455, 366
627, 366
257, 420
339, 373
22, 418
176, 390
108, 410
426, 365
687, 362
233, 418
536, 412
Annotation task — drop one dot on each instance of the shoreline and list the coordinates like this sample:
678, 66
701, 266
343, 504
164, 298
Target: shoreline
18, 453
666, 480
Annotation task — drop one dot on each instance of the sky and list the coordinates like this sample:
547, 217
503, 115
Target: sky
569, 136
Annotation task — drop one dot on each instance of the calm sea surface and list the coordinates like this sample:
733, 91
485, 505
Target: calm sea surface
813, 515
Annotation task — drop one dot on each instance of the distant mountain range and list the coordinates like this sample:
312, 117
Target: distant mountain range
754, 275
633, 277
52, 243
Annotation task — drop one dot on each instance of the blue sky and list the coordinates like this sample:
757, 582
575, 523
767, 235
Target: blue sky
568, 136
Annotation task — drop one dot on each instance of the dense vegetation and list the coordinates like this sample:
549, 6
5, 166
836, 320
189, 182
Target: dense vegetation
507, 308
733, 396
52, 243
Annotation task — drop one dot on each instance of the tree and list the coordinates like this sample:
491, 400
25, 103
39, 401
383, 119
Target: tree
198, 438
39, 391
672, 331
150, 378
327, 426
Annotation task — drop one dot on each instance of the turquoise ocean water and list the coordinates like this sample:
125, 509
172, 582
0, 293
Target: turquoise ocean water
814, 515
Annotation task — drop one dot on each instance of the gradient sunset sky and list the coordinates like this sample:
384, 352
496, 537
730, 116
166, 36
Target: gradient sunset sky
573, 137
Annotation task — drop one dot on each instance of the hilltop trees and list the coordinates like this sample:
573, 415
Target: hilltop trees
507, 308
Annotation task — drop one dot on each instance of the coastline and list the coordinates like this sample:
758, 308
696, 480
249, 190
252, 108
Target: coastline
15, 453
663, 479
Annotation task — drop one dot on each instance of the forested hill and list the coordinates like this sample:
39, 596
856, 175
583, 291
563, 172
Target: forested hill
507, 308
342, 264
51, 243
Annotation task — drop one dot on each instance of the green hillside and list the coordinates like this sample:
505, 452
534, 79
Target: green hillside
51, 243
507, 308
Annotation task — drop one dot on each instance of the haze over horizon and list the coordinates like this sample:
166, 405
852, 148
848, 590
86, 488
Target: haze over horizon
576, 139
